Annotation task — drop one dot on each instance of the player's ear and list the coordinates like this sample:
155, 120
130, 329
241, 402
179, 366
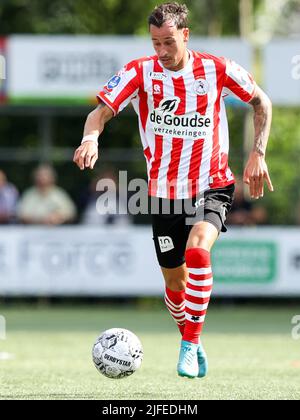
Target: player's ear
186, 34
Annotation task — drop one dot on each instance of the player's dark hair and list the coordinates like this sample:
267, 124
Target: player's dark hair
177, 13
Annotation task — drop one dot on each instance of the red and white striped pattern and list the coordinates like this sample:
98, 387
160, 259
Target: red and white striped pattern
175, 302
197, 293
195, 159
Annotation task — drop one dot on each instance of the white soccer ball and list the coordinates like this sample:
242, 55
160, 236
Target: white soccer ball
117, 353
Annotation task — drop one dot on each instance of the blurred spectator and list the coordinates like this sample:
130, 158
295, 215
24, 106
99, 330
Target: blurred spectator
243, 212
112, 210
259, 215
45, 203
8, 200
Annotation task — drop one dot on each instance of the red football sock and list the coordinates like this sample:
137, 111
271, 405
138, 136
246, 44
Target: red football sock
175, 302
197, 293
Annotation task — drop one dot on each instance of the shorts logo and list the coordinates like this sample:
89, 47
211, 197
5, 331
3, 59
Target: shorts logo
113, 82
157, 76
201, 87
165, 243
199, 203
224, 211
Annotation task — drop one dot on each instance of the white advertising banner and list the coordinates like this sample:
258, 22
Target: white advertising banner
78, 261
81, 261
258, 262
74, 68
282, 71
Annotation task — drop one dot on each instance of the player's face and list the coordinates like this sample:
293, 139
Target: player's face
170, 45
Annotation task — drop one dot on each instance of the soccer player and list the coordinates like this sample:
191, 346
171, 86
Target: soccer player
178, 97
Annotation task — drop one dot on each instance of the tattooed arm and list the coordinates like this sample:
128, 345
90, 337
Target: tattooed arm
256, 170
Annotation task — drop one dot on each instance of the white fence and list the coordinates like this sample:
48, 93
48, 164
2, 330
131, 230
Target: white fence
82, 261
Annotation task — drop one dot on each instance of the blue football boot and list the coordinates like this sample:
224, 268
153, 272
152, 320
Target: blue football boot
202, 361
188, 360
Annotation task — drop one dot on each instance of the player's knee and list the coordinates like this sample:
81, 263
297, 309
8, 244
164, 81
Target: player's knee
198, 239
202, 236
175, 284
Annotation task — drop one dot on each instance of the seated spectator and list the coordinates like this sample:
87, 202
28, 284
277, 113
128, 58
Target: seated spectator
112, 210
45, 203
8, 200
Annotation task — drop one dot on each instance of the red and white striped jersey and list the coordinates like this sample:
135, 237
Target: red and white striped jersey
182, 119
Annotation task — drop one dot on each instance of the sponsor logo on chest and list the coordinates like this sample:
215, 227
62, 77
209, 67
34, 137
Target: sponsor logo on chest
165, 121
155, 75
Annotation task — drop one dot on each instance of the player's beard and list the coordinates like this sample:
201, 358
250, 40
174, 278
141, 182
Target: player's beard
172, 63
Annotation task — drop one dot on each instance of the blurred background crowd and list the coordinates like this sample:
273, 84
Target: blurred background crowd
46, 202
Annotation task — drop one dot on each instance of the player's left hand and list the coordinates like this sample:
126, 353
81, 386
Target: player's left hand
255, 174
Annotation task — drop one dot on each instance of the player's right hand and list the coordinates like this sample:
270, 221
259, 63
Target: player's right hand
255, 174
86, 155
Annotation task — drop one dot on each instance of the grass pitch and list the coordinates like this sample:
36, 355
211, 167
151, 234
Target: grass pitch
251, 352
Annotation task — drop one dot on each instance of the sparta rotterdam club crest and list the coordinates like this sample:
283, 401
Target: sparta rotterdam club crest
201, 87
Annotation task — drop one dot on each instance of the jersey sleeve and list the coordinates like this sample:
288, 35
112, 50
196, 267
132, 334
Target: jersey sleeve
238, 81
121, 88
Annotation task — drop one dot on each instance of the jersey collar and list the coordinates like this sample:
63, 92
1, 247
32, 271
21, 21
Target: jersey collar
188, 67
